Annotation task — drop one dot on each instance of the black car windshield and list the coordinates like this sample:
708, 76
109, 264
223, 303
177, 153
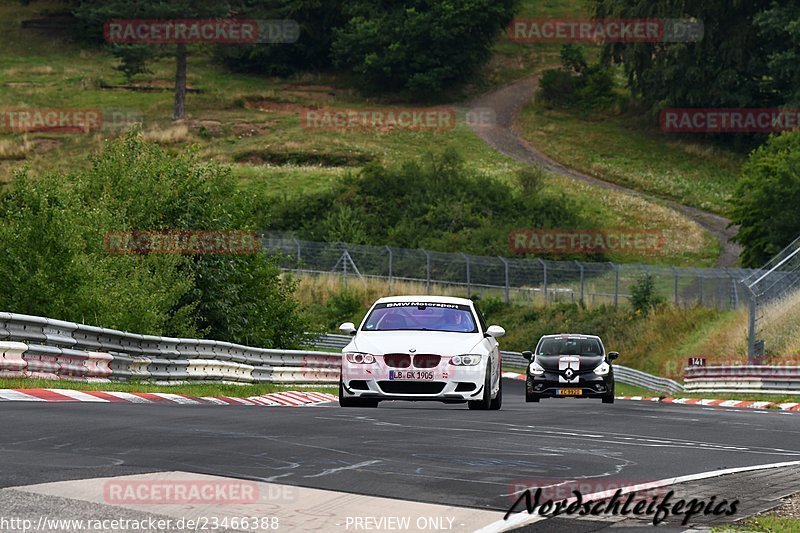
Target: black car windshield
421, 316
584, 347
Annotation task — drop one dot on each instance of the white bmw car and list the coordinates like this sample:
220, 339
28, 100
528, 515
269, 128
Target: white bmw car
422, 348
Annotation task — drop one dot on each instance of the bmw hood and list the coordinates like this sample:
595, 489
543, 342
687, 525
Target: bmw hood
429, 342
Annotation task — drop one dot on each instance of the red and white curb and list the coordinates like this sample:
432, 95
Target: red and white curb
275, 399
696, 401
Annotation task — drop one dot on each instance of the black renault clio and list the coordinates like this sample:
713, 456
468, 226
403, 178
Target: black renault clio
570, 366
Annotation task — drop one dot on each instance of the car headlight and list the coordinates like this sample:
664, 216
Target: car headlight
465, 360
536, 369
360, 358
603, 369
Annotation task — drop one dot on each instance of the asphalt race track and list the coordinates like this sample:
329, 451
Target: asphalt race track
435, 453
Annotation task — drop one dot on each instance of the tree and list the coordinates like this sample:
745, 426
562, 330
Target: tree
418, 45
779, 26
54, 262
317, 20
727, 68
94, 14
766, 199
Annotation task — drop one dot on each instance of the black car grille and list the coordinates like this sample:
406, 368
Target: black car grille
411, 387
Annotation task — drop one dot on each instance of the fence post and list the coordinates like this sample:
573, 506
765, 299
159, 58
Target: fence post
427, 271
297, 244
733, 303
390, 266
675, 273
508, 288
469, 279
580, 265
344, 263
544, 279
702, 289
751, 330
616, 284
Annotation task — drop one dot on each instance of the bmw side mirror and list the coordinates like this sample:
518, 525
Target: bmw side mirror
528, 355
348, 328
495, 331
612, 355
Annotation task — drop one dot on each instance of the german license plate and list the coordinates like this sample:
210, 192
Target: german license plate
417, 375
569, 392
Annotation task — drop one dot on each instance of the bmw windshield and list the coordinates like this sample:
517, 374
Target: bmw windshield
421, 316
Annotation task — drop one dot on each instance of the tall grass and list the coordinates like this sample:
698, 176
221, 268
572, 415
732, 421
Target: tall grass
14, 149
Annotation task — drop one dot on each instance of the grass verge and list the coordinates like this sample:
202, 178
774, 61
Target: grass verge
189, 389
629, 151
763, 524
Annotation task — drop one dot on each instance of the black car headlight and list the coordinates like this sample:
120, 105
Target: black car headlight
536, 369
603, 369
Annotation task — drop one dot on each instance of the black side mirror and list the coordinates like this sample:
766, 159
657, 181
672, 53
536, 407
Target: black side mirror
612, 355
528, 355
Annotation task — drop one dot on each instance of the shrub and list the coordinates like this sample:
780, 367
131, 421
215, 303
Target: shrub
54, 263
644, 297
433, 202
576, 83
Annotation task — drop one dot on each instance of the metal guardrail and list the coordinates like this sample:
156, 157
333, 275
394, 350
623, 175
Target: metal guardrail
37, 347
637, 378
515, 360
32, 346
751, 379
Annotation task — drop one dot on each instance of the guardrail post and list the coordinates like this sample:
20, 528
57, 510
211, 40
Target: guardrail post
580, 265
427, 271
508, 288
616, 284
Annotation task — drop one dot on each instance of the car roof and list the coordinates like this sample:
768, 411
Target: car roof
570, 336
425, 299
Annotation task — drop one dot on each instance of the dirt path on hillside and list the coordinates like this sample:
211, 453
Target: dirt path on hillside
504, 137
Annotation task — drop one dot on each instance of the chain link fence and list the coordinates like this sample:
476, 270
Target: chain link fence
533, 281
773, 292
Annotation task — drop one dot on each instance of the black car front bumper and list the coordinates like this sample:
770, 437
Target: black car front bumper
591, 385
